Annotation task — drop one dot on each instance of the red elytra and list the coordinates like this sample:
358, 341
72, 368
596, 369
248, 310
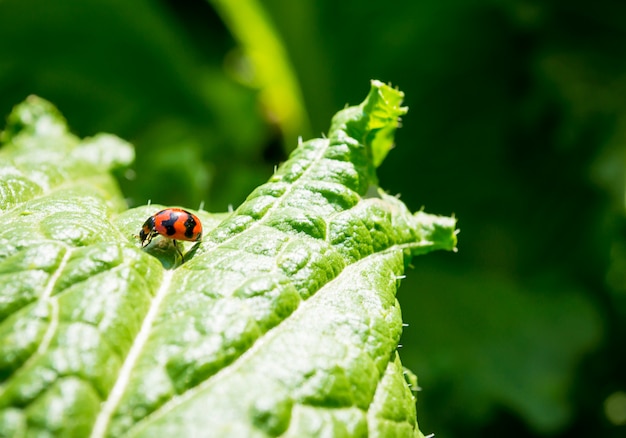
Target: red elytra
173, 223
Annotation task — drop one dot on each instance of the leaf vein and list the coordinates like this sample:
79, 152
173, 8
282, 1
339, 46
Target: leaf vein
109, 406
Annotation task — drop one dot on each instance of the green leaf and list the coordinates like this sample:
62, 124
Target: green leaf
282, 321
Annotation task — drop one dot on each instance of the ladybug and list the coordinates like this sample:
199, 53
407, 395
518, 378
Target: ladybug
173, 223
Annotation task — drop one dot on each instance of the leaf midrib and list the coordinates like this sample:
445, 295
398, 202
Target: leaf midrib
108, 408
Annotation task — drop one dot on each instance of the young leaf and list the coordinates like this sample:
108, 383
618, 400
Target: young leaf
282, 321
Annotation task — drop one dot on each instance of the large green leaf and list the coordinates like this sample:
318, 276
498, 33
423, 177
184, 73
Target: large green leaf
282, 321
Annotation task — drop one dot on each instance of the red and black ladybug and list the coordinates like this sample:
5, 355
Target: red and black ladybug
173, 223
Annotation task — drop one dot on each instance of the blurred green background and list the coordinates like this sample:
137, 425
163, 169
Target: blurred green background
516, 125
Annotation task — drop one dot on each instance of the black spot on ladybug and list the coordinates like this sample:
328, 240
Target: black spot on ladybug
169, 225
190, 224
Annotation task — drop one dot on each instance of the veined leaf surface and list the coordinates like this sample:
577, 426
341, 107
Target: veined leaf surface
283, 321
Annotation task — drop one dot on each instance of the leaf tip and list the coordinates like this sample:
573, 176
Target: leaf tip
36, 117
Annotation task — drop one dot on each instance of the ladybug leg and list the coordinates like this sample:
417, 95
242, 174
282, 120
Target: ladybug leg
179, 251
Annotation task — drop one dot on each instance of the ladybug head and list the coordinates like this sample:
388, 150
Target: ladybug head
147, 231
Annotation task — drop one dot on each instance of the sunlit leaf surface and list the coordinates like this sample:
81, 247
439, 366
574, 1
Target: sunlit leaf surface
281, 322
